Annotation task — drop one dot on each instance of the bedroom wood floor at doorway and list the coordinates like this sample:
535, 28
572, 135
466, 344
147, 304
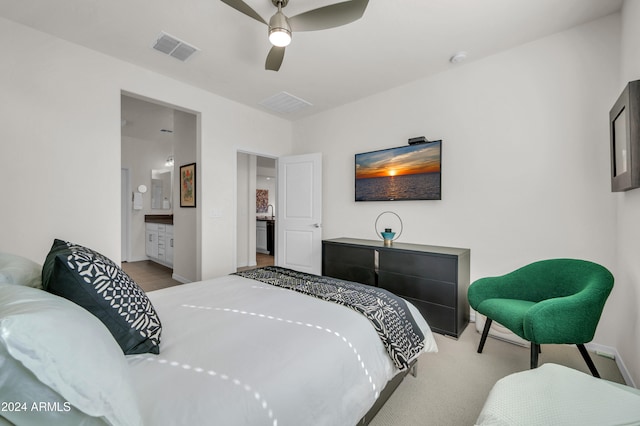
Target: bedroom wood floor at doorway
261, 260
150, 275
153, 276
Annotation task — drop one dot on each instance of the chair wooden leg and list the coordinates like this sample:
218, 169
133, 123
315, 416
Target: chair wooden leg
588, 360
535, 350
485, 333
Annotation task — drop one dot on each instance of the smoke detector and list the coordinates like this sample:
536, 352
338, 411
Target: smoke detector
458, 57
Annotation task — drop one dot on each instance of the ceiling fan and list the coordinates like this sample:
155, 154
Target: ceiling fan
281, 26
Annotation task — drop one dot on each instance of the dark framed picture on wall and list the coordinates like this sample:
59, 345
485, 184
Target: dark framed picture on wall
188, 185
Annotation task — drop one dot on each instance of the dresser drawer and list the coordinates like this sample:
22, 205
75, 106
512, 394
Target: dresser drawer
350, 273
440, 318
348, 255
441, 293
438, 268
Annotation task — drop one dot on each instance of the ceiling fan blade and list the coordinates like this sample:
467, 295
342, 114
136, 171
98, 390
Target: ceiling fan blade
242, 7
330, 16
274, 58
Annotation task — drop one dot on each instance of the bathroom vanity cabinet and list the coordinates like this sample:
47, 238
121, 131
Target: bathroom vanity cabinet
159, 239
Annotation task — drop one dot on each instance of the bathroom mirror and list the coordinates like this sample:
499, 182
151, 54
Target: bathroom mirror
161, 187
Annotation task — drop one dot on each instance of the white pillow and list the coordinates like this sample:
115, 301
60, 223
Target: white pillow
18, 385
19, 270
70, 351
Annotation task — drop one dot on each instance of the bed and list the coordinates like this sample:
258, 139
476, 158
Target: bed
235, 350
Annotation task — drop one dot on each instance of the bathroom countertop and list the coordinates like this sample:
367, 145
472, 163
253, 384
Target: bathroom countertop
266, 218
166, 219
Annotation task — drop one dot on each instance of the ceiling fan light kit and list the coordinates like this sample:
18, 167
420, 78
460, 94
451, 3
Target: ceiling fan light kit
280, 26
280, 37
279, 29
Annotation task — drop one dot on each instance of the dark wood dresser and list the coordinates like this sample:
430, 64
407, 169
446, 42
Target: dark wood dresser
435, 279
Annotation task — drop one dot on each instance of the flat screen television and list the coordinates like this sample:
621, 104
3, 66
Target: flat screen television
410, 172
624, 129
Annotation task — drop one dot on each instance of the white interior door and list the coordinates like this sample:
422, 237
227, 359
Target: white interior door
299, 225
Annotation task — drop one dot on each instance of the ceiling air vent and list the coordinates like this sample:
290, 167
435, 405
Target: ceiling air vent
174, 47
284, 103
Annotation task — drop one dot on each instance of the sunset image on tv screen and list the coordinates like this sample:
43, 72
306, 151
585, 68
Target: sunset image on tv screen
409, 172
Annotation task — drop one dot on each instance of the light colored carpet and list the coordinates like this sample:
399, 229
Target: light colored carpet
453, 384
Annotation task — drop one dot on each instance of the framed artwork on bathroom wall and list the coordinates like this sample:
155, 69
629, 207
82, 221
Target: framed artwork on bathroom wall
188, 185
262, 200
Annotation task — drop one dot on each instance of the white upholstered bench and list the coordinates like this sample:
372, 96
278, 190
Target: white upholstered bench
557, 395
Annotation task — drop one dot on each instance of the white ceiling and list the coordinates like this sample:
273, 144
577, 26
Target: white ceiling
394, 43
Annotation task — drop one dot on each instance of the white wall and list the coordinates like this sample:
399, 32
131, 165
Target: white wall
525, 171
627, 335
60, 139
185, 220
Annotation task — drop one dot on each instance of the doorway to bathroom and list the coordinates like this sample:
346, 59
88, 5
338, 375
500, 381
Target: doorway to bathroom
156, 139
256, 207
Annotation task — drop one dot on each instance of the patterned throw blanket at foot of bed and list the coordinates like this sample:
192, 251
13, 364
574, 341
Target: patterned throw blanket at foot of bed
387, 312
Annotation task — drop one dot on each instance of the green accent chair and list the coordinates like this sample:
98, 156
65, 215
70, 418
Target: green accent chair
555, 301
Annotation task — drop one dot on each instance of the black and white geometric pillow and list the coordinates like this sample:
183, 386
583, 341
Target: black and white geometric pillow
96, 283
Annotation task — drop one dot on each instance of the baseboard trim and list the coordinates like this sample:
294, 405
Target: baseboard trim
596, 347
137, 259
178, 278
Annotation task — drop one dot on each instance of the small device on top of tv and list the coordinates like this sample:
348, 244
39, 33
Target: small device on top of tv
418, 139
410, 172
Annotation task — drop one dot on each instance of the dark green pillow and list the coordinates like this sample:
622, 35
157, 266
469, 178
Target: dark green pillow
96, 283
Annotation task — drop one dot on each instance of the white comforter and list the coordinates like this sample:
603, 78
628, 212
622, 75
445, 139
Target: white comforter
239, 352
